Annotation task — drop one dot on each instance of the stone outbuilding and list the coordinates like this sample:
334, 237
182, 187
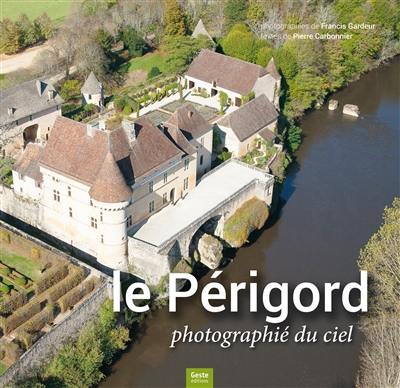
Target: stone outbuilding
243, 129
92, 91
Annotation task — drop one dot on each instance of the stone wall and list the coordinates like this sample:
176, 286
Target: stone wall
19, 206
45, 348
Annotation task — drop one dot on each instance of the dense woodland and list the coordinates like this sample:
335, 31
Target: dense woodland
380, 361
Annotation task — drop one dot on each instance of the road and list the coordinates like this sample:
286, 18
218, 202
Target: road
10, 63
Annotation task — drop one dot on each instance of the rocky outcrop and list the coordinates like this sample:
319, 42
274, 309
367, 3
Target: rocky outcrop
333, 104
351, 110
207, 250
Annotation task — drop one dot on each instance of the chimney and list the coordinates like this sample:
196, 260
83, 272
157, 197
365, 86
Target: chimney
130, 128
10, 111
51, 93
102, 125
90, 129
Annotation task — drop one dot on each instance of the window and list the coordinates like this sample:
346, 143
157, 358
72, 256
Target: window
102, 238
56, 195
101, 216
201, 160
90, 96
129, 221
186, 164
47, 136
69, 191
21, 190
93, 222
151, 207
202, 141
30, 117
165, 177
185, 183
70, 211
164, 198
91, 203
17, 122
151, 187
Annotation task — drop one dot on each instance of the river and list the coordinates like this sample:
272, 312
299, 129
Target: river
347, 171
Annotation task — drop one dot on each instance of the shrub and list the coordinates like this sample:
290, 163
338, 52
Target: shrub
249, 217
4, 288
73, 296
51, 277
25, 338
20, 316
12, 352
77, 274
12, 303
5, 271
127, 110
223, 100
38, 321
5, 236
35, 253
153, 72
21, 281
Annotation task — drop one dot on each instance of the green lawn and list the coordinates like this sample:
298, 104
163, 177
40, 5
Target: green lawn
26, 266
56, 9
147, 62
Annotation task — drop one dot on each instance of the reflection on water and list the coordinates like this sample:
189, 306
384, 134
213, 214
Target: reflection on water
347, 171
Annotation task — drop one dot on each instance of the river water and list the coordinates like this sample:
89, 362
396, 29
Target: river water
347, 171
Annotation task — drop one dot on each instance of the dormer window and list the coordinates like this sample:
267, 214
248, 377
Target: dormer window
151, 184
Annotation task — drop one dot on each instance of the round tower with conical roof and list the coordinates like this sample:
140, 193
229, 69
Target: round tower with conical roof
111, 195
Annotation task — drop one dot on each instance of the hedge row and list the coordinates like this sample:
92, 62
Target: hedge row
73, 296
76, 275
38, 321
50, 277
20, 316
10, 304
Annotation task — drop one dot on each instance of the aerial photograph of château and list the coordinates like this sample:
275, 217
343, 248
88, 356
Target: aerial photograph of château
154, 137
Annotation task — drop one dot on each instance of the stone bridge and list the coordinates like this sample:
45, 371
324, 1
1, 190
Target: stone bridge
165, 238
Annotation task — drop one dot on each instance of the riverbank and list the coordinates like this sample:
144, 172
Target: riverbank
331, 201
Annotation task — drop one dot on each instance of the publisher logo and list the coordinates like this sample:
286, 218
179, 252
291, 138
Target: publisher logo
199, 378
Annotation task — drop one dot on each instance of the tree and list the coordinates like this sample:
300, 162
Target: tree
264, 55
44, 26
27, 31
70, 89
182, 50
153, 72
235, 11
9, 37
223, 100
133, 42
79, 364
242, 43
380, 361
105, 40
381, 258
174, 19
293, 137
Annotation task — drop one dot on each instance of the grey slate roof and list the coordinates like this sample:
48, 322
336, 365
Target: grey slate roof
251, 117
91, 85
25, 99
